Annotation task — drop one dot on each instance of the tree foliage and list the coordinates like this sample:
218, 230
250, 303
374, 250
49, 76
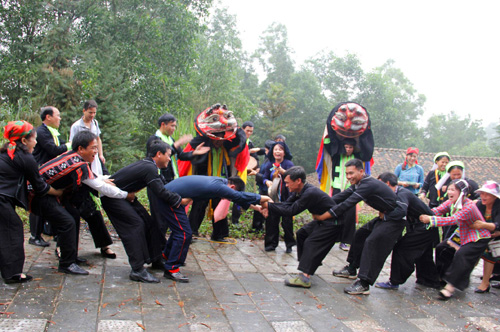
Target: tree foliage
141, 59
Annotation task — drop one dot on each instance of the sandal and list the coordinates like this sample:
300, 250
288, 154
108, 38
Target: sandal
444, 295
58, 252
107, 253
18, 279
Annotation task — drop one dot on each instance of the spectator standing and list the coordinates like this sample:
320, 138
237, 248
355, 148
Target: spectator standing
410, 174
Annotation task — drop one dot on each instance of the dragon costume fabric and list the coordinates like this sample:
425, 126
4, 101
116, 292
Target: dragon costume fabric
347, 123
217, 123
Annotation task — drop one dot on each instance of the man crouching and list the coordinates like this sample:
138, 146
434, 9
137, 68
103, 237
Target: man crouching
315, 239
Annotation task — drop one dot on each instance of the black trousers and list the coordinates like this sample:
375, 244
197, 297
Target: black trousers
36, 225
415, 248
155, 204
272, 236
63, 223
258, 221
136, 228
314, 242
98, 230
358, 243
379, 236
235, 213
348, 219
11, 239
197, 214
455, 266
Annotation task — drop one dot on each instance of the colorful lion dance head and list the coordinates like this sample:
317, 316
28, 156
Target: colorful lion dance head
350, 120
217, 123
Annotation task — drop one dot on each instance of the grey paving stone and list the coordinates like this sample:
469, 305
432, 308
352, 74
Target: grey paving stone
121, 294
166, 317
246, 317
298, 326
164, 292
31, 310
233, 288
119, 325
209, 325
310, 308
485, 323
267, 298
127, 310
22, 325
74, 316
336, 301
86, 288
229, 292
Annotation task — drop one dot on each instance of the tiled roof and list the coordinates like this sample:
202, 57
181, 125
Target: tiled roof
478, 169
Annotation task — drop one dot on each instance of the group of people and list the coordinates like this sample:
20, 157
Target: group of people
62, 182
468, 225
59, 183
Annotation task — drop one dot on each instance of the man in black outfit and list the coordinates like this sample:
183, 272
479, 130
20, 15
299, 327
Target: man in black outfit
140, 235
315, 239
383, 230
414, 245
71, 172
167, 125
49, 145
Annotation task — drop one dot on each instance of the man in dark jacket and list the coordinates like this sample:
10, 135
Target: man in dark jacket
49, 145
415, 245
140, 235
315, 239
167, 125
378, 236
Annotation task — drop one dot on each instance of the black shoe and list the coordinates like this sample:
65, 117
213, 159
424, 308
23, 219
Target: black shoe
495, 285
80, 260
482, 291
18, 279
288, 250
176, 276
106, 254
269, 248
144, 276
424, 283
357, 288
158, 265
442, 296
73, 269
220, 239
38, 241
345, 272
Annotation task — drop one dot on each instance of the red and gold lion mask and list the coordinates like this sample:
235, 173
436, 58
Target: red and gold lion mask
217, 123
350, 120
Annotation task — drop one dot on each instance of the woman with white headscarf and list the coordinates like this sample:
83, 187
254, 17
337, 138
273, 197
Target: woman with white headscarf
455, 170
489, 205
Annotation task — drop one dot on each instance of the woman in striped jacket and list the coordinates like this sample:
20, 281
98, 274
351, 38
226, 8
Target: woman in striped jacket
457, 256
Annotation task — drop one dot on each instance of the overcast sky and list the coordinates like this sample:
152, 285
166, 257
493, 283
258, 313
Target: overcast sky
449, 50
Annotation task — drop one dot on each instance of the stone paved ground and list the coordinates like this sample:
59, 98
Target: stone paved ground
232, 288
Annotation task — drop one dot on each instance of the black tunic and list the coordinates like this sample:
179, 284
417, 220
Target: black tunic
374, 192
144, 173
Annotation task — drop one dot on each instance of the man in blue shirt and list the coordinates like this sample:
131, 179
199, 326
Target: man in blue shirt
198, 187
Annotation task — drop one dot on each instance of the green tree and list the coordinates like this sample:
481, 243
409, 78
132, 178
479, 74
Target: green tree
456, 135
274, 55
273, 110
219, 70
394, 106
308, 119
340, 77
